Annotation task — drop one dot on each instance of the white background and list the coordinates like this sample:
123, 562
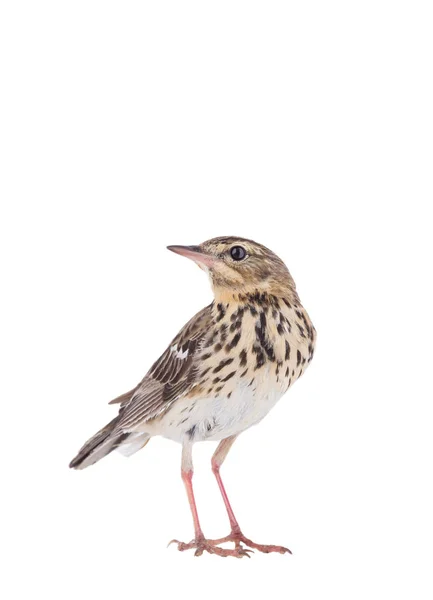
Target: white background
127, 126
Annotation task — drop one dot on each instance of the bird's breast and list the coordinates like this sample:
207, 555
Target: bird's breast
251, 355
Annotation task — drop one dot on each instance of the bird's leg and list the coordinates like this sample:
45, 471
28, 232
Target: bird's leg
200, 543
217, 460
187, 480
236, 534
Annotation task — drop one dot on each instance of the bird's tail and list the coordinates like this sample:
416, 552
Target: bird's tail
105, 441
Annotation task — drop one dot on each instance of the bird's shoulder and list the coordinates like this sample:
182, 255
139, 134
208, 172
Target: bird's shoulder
182, 350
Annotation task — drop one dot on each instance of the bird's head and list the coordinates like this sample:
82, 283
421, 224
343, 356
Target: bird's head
239, 266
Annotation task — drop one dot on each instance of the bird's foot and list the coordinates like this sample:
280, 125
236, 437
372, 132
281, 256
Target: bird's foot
211, 546
237, 537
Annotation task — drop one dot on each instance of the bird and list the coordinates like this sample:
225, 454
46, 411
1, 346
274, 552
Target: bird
221, 374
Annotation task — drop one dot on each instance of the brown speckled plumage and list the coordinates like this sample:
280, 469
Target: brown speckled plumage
222, 373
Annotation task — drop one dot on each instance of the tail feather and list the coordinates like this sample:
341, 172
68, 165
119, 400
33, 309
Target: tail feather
107, 439
101, 444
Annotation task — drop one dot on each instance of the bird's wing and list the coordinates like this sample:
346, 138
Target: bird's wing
124, 398
173, 375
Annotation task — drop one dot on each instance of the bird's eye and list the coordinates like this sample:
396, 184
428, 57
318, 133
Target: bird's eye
238, 253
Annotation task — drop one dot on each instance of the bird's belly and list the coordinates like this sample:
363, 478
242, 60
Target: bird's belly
213, 419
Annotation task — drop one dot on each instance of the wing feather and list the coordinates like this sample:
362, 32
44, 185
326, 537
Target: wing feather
171, 376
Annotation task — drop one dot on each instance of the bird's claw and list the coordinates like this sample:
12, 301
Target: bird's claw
237, 537
211, 546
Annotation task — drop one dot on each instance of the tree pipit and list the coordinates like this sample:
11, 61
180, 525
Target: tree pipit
220, 375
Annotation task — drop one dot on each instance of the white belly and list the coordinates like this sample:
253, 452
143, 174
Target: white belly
214, 419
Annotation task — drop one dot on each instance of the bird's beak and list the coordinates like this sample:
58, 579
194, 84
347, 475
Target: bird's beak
195, 253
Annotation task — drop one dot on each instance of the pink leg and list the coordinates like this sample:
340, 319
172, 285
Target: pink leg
236, 534
187, 480
200, 543
217, 460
